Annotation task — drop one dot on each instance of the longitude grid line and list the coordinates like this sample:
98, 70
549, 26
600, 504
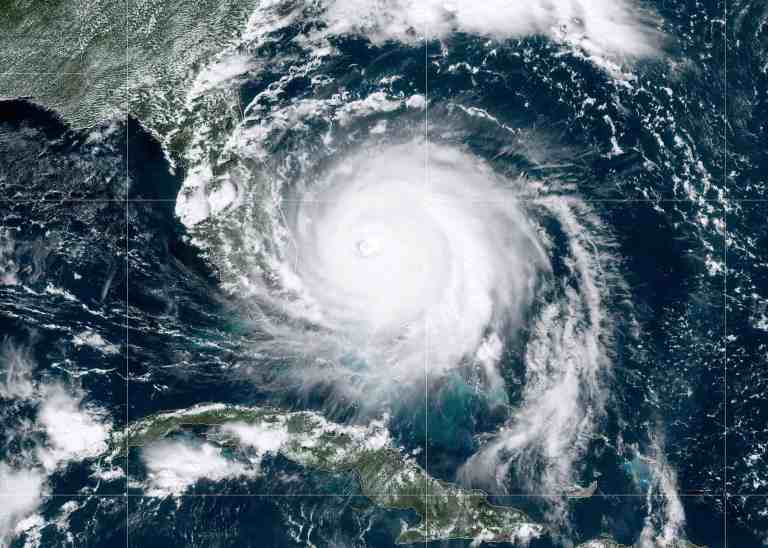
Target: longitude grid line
725, 274
426, 316
127, 271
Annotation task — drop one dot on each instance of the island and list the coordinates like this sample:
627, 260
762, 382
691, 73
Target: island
386, 474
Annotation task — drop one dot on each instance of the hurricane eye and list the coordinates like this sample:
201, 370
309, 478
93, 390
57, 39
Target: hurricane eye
368, 247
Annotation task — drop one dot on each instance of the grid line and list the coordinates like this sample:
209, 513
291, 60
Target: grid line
519, 199
426, 315
469, 494
725, 275
127, 269
53, 73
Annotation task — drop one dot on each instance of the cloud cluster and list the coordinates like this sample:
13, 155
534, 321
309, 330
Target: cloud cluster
614, 27
74, 432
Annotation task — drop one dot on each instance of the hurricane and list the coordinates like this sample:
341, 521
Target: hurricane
383, 256
389, 256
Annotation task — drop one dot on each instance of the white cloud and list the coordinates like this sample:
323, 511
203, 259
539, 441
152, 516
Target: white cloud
384, 265
566, 359
95, 341
173, 466
665, 522
16, 371
20, 493
8, 267
222, 70
74, 432
598, 26
262, 437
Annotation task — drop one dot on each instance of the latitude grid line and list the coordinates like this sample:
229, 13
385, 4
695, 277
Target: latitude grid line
36, 200
42, 73
127, 200
468, 494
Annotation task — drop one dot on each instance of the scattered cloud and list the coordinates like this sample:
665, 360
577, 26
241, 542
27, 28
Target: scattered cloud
16, 367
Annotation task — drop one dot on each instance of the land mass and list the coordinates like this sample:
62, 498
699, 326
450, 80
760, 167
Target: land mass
387, 476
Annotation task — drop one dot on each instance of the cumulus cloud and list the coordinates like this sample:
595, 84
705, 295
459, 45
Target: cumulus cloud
173, 466
8, 267
74, 432
263, 438
95, 341
222, 70
20, 493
